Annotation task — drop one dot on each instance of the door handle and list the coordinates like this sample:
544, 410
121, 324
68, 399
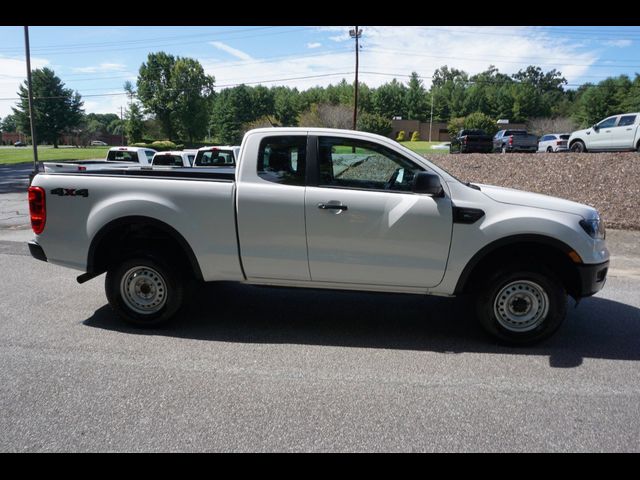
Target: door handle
332, 206
629, 128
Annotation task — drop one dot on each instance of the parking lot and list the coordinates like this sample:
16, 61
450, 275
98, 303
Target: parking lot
272, 369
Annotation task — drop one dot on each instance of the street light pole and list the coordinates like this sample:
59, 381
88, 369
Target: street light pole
355, 33
31, 121
433, 94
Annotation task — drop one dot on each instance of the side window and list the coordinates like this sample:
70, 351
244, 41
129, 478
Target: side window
283, 159
627, 120
149, 154
499, 134
608, 123
359, 164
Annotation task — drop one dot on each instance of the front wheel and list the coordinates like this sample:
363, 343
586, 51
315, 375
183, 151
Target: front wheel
522, 305
144, 292
578, 147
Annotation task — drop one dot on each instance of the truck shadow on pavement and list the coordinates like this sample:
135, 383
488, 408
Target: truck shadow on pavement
226, 312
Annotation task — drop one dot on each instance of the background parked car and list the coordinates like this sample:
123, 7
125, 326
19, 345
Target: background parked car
20, 143
171, 159
471, 140
218, 156
514, 141
616, 133
98, 143
554, 142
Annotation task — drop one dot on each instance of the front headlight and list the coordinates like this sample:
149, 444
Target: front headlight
594, 227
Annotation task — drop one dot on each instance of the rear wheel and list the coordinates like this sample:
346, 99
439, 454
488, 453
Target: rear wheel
578, 147
144, 291
522, 305
549, 150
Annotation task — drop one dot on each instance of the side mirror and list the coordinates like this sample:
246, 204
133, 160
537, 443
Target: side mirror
425, 182
596, 127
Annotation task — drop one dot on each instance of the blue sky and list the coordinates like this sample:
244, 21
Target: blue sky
96, 61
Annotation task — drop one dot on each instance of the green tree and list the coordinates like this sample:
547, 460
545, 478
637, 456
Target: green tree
389, 100
55, 109
262, 102
155, 90
287, 105
374, 123
193, 89
134, 124
480, 121
416, 99
9, 124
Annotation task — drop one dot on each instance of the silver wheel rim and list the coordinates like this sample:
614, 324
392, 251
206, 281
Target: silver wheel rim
143, 290
521, 306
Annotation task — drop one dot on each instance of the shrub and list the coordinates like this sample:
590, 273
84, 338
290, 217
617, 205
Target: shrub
415, 137
478, 120
400, 137
454, 126
163, 145
373, 123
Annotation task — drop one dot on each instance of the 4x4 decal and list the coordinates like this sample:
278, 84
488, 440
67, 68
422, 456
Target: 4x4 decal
70, 192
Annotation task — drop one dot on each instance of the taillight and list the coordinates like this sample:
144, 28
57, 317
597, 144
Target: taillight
511, 140
37, 209
81, 169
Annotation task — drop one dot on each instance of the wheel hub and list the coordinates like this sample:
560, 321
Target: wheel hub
521, 306
143, 290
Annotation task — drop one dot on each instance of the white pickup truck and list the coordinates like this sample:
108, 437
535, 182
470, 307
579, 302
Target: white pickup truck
173, 159
122, 157
615, 133
322, 208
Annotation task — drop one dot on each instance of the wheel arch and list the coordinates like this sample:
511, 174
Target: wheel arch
104, 247
552, 253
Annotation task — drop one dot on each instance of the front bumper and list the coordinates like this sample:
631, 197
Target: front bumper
36, 251
592, 278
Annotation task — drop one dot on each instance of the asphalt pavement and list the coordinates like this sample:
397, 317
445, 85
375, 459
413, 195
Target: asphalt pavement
275, 369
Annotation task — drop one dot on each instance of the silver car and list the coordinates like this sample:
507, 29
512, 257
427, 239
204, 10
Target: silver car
553, 142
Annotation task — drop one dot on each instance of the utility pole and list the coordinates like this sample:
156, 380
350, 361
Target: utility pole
355, 33
121, 127
433, 94
33, 127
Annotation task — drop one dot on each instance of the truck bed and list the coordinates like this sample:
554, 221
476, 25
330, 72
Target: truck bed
198, 204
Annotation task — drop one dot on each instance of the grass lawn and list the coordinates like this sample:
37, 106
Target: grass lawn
49, 154
425, 147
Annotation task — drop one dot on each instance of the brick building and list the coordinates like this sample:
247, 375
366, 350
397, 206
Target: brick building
439, 131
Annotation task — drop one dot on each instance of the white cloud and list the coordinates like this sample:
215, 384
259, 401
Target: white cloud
314, 45
13, 71
400, 50
103, 67
618, 43
231, 51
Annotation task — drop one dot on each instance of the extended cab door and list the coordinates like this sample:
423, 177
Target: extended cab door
624, 133
270, 207
365, 226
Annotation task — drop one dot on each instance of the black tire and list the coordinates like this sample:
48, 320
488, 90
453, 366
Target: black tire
537, 305
549, 150
578, 147
152, 276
